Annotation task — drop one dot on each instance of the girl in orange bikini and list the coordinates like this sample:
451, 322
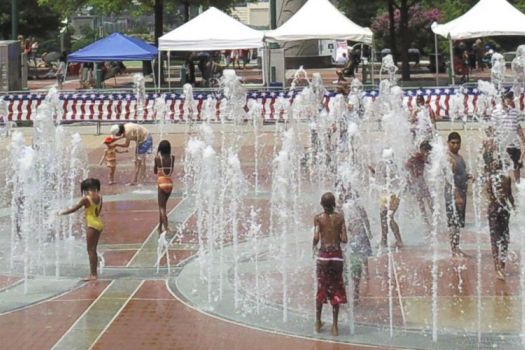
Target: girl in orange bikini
110, 157
92, 203
163, 168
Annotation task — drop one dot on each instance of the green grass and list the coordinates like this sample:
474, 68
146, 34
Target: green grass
133, 64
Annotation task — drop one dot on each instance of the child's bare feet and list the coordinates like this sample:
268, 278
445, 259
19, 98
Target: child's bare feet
111, 183
398, 245
458, 253
500, 274
335, 330
318, 326
90, 278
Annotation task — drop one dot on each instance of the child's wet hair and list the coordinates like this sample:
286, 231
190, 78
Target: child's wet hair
425, 146
454, 136
328, 201
164, 148
90, 184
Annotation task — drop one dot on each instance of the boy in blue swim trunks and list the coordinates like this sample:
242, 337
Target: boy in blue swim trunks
143, 140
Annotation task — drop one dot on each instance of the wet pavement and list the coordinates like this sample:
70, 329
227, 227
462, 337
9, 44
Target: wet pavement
138, 304
420, 77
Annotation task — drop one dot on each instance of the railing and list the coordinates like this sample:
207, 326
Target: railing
121, 104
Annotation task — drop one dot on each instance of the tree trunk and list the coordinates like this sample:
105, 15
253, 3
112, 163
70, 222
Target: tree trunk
392, 29
403, 34
186, 11
159, 9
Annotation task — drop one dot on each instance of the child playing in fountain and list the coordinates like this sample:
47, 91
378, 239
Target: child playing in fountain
331, 231
422, 120
110, 157
388, 179
417, 185
144, 142
163, 168
92, 203
509, 133
500, 204
456, 193
359, 233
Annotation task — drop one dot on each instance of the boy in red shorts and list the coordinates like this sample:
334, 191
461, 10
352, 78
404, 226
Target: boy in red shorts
330, 229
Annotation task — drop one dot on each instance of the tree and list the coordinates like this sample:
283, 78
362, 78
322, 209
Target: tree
360, 12
106, 7
392, 28
371, 13
33, 19
412, 27
403, 7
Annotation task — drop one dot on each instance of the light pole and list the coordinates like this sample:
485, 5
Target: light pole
273, 14
14, 20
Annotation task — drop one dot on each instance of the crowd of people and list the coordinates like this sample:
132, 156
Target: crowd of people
90, 188
467, 59
54, 65
29, 47
499, 151
344, 219
211, 64
349, 64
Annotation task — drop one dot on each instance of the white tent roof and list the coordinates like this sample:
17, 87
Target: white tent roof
211, 30
486, 18
319, 19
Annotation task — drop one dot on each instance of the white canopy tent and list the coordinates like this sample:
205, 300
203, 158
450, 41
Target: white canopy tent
211, 30
486, 18
319, 19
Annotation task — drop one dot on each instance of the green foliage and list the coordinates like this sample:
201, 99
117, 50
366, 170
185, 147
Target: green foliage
365, 13
451, 9
163, 10
361, 12
33, 19
419, 33
519, 4
63, 7
115, 7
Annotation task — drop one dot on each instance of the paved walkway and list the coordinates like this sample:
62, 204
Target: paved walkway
130, 306
419, 78
137, 305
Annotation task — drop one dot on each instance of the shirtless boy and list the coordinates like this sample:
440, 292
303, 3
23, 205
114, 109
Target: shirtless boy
330, 229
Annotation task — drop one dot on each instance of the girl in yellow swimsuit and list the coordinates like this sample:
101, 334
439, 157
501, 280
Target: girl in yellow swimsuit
163, 168
92, 203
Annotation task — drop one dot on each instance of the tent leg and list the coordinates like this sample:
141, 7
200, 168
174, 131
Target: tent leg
451, 61
263, 63
270, 69
65, 74
437, 61
372, 54
169, 70
158, 66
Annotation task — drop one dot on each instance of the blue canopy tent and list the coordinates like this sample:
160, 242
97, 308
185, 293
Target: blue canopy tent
115, 47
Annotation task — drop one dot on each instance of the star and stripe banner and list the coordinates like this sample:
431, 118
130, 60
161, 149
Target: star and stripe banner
101, 106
